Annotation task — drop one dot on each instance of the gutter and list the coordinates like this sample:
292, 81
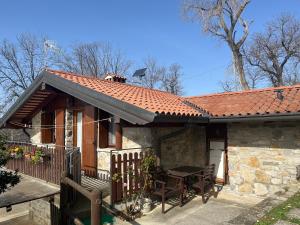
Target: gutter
270, 117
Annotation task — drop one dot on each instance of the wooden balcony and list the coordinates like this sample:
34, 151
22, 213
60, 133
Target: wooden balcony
43, 162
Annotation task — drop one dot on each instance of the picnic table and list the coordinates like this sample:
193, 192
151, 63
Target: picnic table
185, 171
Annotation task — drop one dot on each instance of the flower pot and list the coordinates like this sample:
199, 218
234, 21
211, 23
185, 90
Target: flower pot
147, 205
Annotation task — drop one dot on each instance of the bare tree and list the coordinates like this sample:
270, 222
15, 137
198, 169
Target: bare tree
94, 59
275, 53
20, 63
171, 80
223, 19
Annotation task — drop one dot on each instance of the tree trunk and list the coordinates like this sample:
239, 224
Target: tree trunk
239, 68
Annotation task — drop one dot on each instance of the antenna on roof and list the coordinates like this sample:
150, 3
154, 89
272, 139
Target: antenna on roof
49, 45
140, 73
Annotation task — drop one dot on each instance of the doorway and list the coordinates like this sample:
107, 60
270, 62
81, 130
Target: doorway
217, 156
216, 139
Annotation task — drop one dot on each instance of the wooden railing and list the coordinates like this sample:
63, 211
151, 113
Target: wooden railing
68, 186
57, 160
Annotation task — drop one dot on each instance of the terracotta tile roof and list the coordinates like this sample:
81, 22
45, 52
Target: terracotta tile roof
250, 103
151, 100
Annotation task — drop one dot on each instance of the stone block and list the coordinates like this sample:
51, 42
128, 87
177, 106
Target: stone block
276, 181
294, 214
260, 189
253, 162
262, 177
245, 188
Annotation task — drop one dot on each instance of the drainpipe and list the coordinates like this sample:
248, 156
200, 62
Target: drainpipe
26, 132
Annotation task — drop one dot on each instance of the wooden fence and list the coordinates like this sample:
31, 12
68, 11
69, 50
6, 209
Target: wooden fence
125, 173
50, 170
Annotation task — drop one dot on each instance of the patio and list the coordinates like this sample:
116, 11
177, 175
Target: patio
215, 212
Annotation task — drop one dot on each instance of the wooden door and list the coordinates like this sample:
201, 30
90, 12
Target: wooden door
89, 140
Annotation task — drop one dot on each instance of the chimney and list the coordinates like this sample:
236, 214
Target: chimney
115, 78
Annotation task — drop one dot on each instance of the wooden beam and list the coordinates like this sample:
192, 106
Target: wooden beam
119, 136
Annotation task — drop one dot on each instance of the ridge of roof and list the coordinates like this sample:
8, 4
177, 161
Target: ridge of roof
155, 101
244, 91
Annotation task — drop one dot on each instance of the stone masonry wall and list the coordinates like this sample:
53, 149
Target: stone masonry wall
263, 157
39, 212
68, 128
186, 148
35, 132
15, 135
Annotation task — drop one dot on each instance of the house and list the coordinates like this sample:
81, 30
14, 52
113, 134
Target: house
252, 136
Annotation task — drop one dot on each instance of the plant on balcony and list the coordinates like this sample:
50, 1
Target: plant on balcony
27, 155
37, 156
16, 152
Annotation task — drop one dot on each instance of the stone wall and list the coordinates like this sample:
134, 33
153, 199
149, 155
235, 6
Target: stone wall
35, 132
187, 146
263, 156
68, 128
39, 212
15, 135
136, 137
177, 146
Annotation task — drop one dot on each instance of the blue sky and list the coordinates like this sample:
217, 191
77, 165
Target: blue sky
140, 28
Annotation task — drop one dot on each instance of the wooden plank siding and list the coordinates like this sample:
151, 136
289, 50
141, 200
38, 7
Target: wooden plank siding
89, 142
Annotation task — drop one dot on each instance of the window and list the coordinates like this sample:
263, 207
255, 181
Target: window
111, 132
48, 127
107, 129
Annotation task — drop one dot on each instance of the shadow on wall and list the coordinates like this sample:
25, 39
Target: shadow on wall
282, 135
185, 149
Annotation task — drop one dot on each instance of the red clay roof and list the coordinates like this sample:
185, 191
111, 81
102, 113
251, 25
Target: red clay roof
250, 103
151, 100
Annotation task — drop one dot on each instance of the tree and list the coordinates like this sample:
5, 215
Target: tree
7, 178
94, 59
221, 19
154, 74
275, 53
171, 80
20, 63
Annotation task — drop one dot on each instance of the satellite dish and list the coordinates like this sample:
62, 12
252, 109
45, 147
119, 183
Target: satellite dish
140, 73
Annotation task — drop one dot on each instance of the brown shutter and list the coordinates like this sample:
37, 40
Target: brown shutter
89, 154
60, 130
103, 130
46, 121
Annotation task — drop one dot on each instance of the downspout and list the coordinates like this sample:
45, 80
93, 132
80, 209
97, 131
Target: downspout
26, 133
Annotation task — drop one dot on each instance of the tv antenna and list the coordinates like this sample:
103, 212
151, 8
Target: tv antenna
49, 46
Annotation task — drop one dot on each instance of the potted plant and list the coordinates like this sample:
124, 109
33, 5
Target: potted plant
148, 167
37, 155
16, 153
27, 155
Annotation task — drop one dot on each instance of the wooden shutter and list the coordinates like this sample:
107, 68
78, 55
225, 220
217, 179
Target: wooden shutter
89, 154
46, 121
60, 124
103, 130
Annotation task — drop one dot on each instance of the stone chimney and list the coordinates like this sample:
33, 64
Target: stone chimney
115, 78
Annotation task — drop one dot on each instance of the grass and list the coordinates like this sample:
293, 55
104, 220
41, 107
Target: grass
280, 212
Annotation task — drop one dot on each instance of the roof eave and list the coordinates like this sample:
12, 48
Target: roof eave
253, 118
161, 118
126, 111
